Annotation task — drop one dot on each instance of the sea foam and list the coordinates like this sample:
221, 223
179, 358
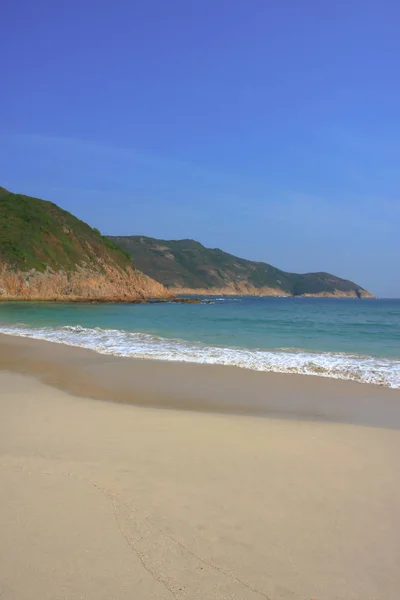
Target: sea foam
365, 369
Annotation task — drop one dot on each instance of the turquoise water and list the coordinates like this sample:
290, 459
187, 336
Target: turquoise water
341, 338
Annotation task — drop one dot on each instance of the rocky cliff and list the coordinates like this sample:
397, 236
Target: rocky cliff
48, 254
187, 267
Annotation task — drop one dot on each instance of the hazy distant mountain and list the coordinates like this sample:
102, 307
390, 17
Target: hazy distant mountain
186, 266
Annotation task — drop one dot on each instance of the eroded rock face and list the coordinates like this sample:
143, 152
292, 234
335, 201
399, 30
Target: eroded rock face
188, 267
111, 283
46, 253
360, 293
248, 290
240, 289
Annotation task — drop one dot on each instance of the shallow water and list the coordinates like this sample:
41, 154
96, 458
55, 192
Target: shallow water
340, 338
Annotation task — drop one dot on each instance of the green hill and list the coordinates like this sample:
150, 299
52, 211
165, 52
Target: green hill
46, 252
186, 266
37, 234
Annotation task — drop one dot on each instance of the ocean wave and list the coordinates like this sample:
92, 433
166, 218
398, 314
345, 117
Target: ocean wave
365, 369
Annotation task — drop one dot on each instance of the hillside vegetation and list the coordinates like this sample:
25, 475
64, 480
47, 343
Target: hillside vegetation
37, 234
186, 266
46, 252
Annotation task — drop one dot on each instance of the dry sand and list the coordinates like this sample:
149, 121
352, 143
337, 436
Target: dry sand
102, 500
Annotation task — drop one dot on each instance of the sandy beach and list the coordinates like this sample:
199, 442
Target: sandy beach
271, 486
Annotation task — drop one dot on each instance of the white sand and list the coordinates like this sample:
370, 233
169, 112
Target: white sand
110, 501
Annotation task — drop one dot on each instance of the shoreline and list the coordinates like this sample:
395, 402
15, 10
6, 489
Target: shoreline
179, 295
266, 293
199, 387
369, 369
105, 300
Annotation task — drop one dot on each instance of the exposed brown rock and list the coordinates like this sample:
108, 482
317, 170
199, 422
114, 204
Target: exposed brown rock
239, 289
111, 283
341, 294
248, 290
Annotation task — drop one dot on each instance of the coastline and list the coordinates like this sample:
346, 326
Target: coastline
251, 291
102, 500
178, 295
199, 387
105, 300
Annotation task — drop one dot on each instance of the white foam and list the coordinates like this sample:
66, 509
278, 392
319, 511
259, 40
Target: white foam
366, 369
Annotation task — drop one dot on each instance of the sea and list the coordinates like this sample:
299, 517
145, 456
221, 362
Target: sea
348, 339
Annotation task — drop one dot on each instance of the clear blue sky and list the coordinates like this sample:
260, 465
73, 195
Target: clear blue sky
268, 129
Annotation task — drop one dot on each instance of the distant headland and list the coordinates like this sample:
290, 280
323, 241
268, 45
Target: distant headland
46, 253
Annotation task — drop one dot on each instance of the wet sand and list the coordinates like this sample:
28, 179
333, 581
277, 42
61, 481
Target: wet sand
298, 498
215, 388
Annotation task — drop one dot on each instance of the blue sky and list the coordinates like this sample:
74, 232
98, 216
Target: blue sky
268, 129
